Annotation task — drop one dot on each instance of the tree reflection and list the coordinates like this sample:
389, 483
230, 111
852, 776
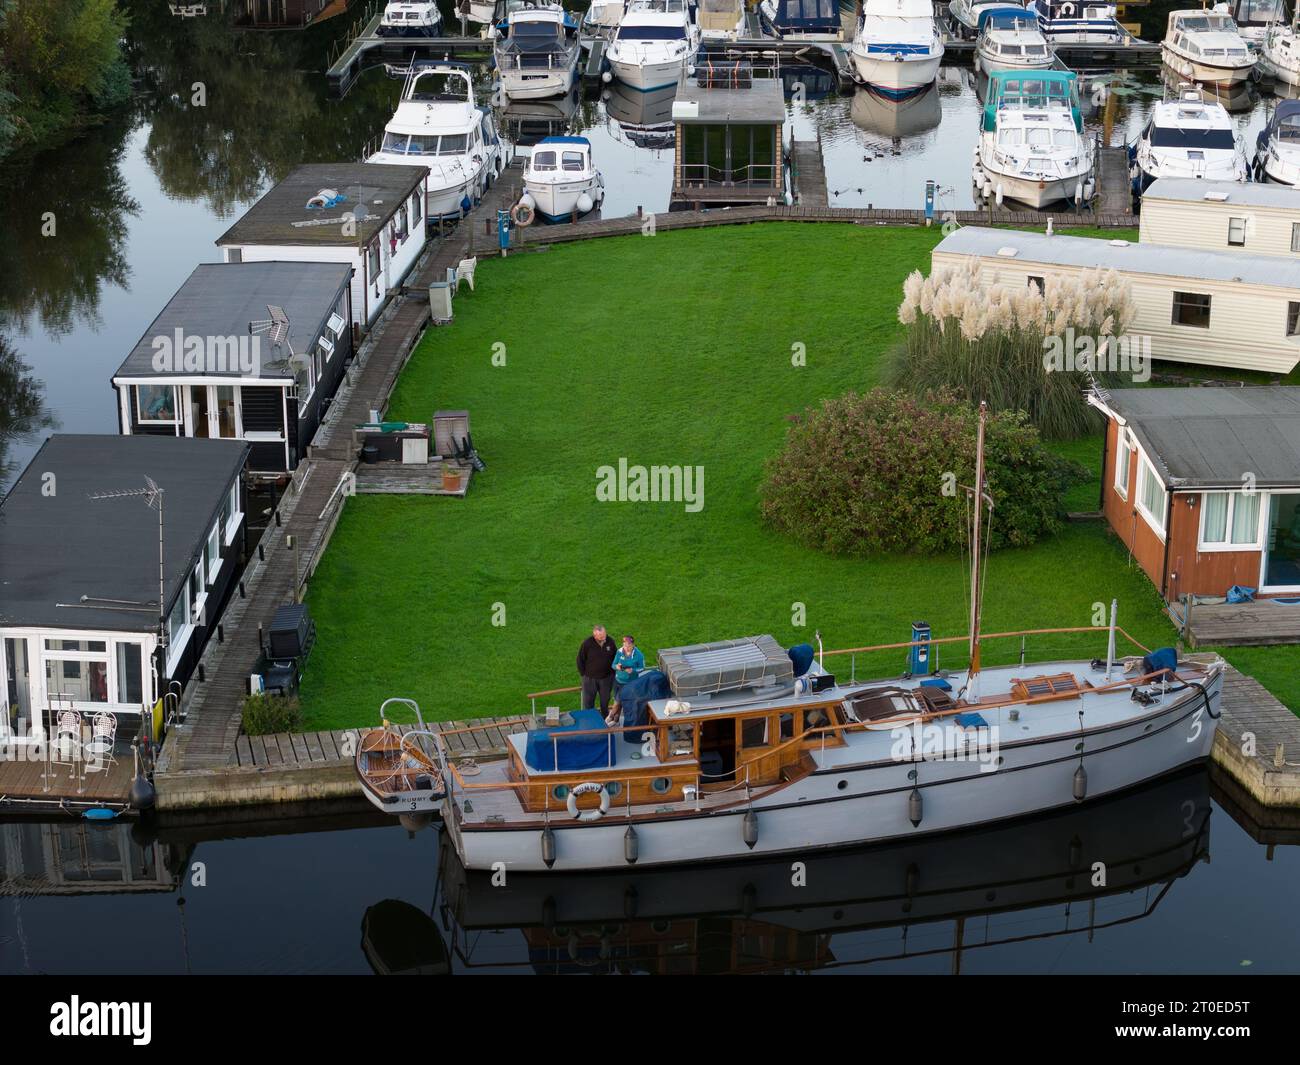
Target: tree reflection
23, 412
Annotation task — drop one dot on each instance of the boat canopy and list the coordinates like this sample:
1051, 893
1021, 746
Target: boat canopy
1285, 123
1036, 89
802, 16
1005, 18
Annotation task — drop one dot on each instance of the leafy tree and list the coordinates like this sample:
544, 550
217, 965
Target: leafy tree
23, 412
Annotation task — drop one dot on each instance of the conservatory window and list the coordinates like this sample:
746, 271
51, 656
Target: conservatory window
129, 688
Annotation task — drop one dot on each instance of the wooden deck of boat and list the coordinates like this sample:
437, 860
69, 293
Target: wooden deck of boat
32, 784
1262, 623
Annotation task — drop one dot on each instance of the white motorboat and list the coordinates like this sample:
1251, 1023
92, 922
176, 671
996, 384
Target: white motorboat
1254, 18
1277, 150
966, 14
897, 48
410, 18
1189, 137
536, 52
1279, 53
438, 124
720, 20
1032, 148
602, 18
654, 44
560, 180
1010, 39
803, 20
1205, 46
1078, 21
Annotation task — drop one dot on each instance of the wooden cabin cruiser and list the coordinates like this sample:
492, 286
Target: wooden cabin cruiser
1279, 54
561, 179
602, 18
1277, 154
966, 14
1032, 148
896, 118
438, 124
1009, 39
408, 18
897, 48
1190, 137
400, 767
803, 20
1078, 22
536, 52
1254, 18
720, 20
741, 748
1205, 46
654, 45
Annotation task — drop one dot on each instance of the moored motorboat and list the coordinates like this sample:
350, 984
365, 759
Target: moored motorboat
401, 770
1253, 18
602, 18
536, 52
720, 20
1277, 150
654, 44
1188, 137
561, 180
1205, 46
897, 48
1279, 53
1078, 21
410, 18
1009, 39
966, 14
802, 20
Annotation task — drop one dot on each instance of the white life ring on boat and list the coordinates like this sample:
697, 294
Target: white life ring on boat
521, 214
1067, 10
590, 787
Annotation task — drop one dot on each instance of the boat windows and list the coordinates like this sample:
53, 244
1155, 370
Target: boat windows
651, 33
1175, 137
1191, 308
544, 161
560, 792
753, 732
1035, 49
785, 727
156, 403
1009, 49
1237, 233
613, 788
661, 785
574, 161
395, 143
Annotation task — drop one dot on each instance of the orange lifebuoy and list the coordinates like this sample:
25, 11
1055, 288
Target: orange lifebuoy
521, 214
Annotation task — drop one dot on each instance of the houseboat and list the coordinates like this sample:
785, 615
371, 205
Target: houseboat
742, 749
1009, 39
368, 216
1190, 519
83, 630
1078, 22
1211, 308
561, 180
1205, 46
730, 148
966, 14
802, 20
1277, 149
249, 351
410, 18
1032, 148
1258, 218
1189, 137
536, 52
897, 48
654, 45
438, 124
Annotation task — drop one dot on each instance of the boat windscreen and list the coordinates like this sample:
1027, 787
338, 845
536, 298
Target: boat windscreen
651, 33
433, 88
795, 13
1258, 12
1173, 137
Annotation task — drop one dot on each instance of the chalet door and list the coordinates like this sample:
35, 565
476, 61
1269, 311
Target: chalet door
225, 412
15, 667
1281, 568
200, 422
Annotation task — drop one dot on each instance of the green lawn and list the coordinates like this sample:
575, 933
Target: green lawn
673, 350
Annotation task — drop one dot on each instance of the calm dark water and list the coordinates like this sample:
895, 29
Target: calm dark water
1187, 891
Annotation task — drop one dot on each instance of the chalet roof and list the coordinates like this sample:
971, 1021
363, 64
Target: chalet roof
1225, 193
282, 216
1213, 437
58, 545
223, 299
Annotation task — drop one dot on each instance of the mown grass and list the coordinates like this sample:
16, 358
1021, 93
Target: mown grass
671, 350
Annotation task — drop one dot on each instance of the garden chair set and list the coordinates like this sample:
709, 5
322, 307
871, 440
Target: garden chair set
82, 741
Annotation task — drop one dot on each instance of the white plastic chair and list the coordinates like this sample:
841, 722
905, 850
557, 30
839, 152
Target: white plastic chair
99, 748
465, 272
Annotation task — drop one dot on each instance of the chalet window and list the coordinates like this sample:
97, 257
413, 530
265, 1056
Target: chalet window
156, 404
1237, 232
403, 226
1151, 497
129, 685
1295, 236
212, 553
753, 732
416, 213
196, 592
1230, 519
234, 255
1293, 319
373, 259
1123, 458
230, 513
176, 623
1037, 282
1191, 308
80, 680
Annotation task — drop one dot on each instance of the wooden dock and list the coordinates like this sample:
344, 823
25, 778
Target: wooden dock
1114, 188
1262, 623
29, 785
1258, 742
344, 69
808, 174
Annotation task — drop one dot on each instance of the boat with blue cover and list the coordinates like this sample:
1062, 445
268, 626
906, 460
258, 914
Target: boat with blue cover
536, 52
1277, 149
1009, 39
897, 48
561, 180
1078, 21
803, 20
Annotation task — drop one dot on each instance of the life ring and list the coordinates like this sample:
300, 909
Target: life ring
521, 214
1067, 10
590, 787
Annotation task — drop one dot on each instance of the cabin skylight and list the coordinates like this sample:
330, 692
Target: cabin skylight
1008, 252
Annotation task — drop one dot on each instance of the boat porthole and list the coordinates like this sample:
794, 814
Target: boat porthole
613, 787
911, 774
999, 760
661, 784
660, 927
838, 915
560, 791
1078, 746
842, 785
1148, 727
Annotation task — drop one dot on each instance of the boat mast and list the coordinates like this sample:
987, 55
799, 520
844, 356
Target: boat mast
972, 681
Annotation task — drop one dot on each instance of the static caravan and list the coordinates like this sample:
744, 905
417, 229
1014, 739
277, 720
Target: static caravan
1208, 307
367, 215
80, 617
1203, 485
1255, 218
243, 351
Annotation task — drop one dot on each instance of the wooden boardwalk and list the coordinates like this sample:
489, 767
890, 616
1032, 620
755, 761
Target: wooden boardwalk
1262, 623
397, 478
809, 174
23, 784
1114, 188
1258, 742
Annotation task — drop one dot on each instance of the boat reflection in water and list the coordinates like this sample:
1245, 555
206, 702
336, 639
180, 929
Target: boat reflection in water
810, 82
1235, 98
644, 119
874, 112
760, 916
525, 122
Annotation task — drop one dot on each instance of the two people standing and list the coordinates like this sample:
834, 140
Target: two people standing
606, 667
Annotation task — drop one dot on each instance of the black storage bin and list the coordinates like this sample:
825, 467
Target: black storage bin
292, 632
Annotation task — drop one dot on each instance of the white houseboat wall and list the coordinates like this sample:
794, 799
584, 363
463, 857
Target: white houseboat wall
79, 619
1204, 307
1254, 218
243, 385
368, 215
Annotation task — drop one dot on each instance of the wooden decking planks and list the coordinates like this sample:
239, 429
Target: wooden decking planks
809, 170
1256, 732
24, 783
1259, 624
395, 478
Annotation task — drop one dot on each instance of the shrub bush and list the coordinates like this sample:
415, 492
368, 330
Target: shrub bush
264, 714
989, 342
881, 471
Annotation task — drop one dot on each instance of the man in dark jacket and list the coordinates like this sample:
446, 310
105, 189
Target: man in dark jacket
596, 667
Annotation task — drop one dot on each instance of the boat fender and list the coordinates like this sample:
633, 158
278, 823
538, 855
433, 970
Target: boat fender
1080, 783
521, 214
585, 203
998, 195
914, 805
749, 829
1078, 193
589, 787
607, 76
631, 846
548, 847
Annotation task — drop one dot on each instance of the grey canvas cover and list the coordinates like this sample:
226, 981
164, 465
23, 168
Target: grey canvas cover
728, 665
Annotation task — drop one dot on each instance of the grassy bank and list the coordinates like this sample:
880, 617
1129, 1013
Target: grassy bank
671, 350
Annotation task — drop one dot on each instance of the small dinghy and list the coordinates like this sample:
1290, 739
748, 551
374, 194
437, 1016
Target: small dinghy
560, 180
401, 771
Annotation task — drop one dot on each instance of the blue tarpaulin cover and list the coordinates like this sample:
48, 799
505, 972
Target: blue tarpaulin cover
1240, 594
635, 700
1160, 661
936, 682
972, 720
801, 657
574, 752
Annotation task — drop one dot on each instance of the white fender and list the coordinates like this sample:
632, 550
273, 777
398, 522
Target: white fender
585, 203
